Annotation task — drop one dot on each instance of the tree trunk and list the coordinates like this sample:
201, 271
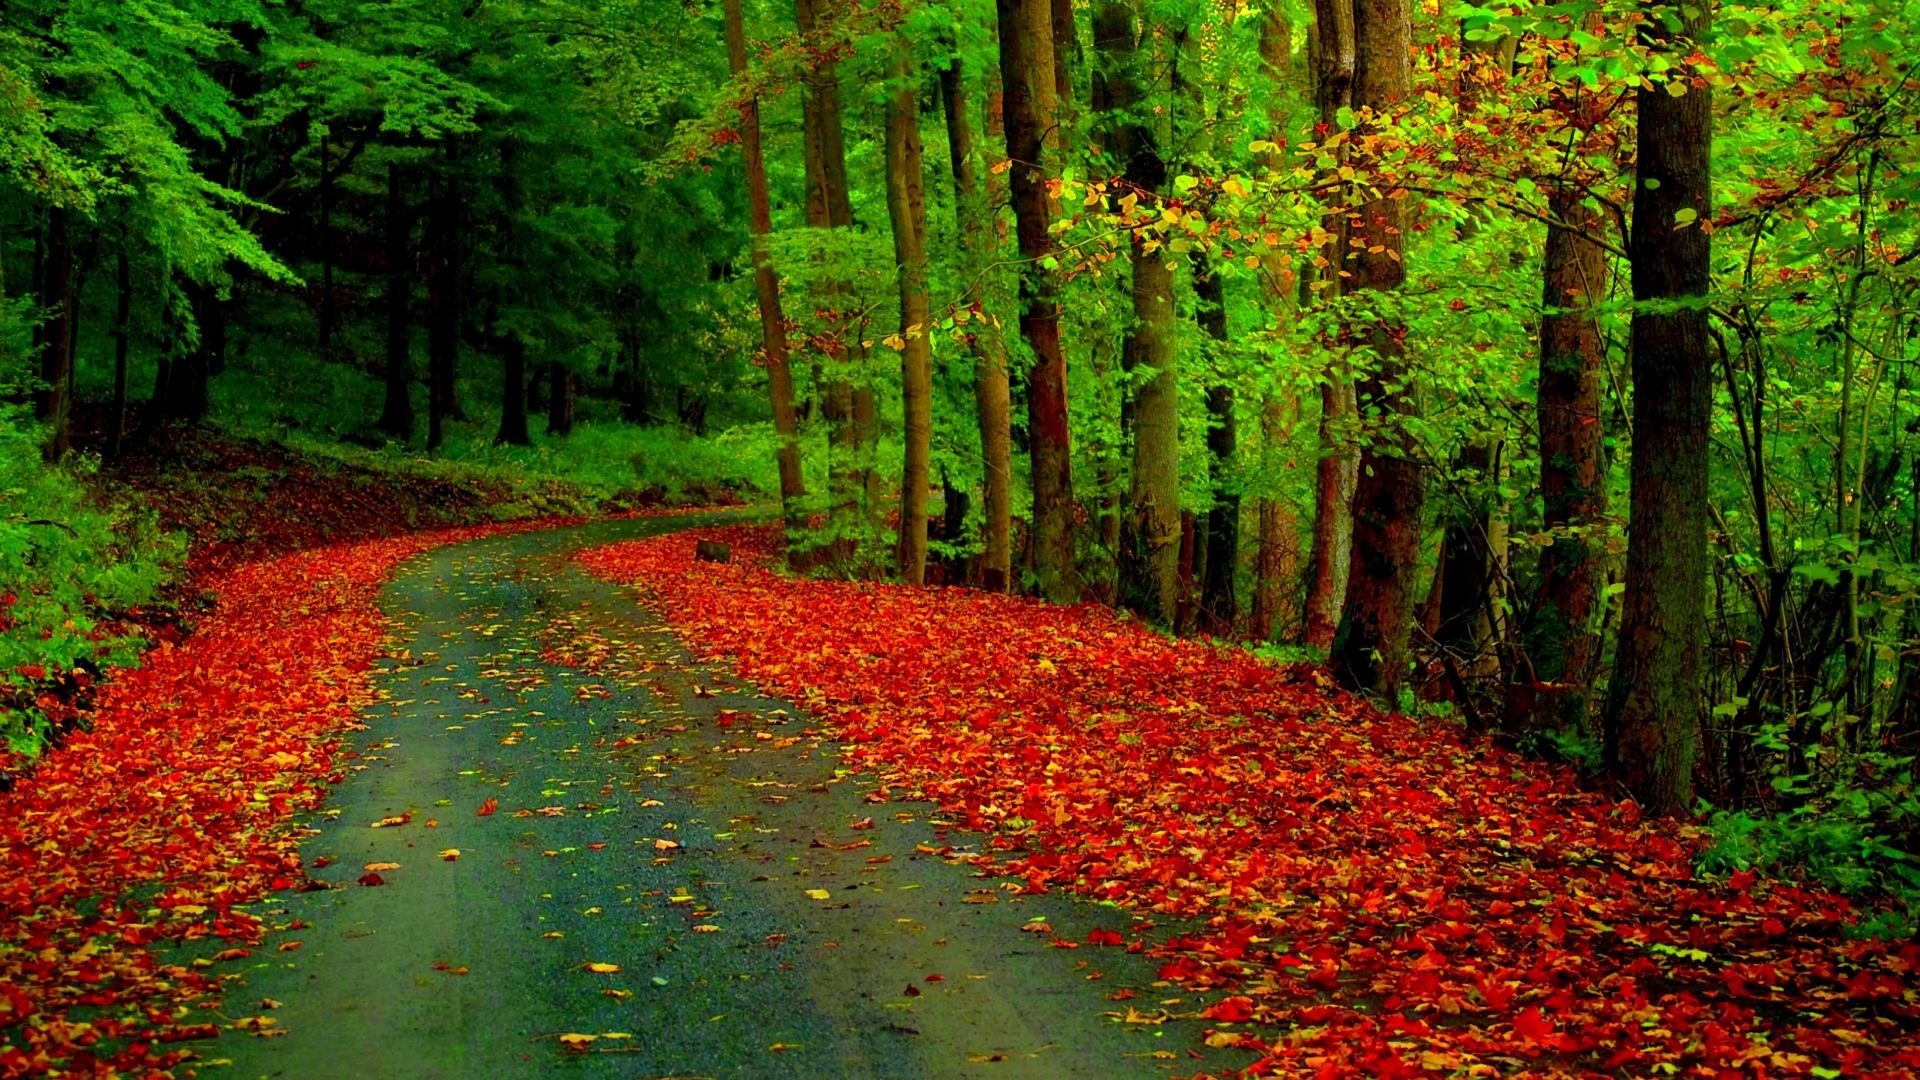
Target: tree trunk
1373, 648
122, 339
513, 343
1654, 702
1027, 74
326, 247
848, 403
53, 400
513, 405
1561, 647
186, 397
1330, 561
396, 416
766, 283
1276, 563
561, 384
992, 393
1151, 534
907, 208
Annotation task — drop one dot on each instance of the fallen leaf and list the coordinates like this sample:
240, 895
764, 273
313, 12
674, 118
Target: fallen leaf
371, 878
380, 867
488, 807
819, 894
451, 854
393, 822
602, 969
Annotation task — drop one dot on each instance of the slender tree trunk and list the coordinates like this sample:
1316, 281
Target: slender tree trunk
396, 415
513, 407
1654, 703
187, 384
1561, 647
561, 383
848, 402
1026, 66
992, 393
1337, 474
1373, 648
326, 247
1277, 561
907, 208
56, 355
122, 338
513, 344
766, 283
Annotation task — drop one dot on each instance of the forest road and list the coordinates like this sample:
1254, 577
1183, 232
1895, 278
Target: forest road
570, 912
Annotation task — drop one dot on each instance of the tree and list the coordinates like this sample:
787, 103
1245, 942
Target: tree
992, 392
1150, 537
1372, 649
1026, 71
1654, 703
907, 209
773, 323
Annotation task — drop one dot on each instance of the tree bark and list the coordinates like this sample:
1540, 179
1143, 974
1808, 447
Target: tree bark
396, 415
1026, 67
907, 208
1561, 648
1277, 558
561, 384
1150, 534
1330, 561
53, 400
1654, 702
513, 343
766, 283
122, 339
326, 247
992, 392
1373, 648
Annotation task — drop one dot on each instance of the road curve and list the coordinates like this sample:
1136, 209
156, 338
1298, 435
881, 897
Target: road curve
729, 960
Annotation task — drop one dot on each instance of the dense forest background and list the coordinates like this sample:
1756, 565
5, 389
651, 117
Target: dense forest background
1550, 367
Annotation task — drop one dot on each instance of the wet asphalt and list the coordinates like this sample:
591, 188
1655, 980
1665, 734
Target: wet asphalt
658, 819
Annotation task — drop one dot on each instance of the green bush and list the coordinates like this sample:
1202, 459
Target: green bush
71, 561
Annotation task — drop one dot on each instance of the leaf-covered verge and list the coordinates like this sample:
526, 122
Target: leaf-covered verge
1380, 896
171, 812
101, 560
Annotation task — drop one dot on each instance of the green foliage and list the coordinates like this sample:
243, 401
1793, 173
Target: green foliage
71, 564
1855, 845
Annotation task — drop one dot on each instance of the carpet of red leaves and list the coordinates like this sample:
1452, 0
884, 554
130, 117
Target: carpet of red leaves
1379, 896
174, 808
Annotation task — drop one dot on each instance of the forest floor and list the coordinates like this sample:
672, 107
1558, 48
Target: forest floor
807, 828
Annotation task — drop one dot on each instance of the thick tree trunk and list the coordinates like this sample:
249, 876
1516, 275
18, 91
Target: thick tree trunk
1277, 560
122, 340
1026, 67
1654, 702
54, 401
1373, 648
1330, 561
1150, 535
992, 393
766, 283
1561, 648
907, 208
396, 415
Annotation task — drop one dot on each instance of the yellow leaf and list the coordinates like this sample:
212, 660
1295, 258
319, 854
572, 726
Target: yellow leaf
574, 1040
818, 894
602, 969
666, 845
705, 928
380, 867
554, 935
450, 854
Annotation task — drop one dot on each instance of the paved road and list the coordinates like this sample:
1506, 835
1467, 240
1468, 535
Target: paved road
728, 964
